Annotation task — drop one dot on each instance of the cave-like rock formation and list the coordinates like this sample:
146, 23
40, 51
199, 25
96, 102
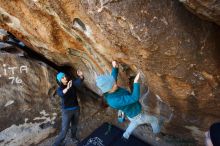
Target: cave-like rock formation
177, 53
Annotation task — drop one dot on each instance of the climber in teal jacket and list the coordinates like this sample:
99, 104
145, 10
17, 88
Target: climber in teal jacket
121, 99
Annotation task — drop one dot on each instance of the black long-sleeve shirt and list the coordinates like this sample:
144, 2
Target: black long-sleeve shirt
69, 99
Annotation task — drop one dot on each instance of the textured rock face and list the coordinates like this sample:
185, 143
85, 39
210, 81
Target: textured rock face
177, 53
209, 9
26, 86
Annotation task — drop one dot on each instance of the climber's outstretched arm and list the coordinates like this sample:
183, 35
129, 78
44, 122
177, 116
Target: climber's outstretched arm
115, 70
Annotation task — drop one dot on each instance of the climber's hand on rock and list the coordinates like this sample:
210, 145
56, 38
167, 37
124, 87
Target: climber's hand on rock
136, 79
114, 64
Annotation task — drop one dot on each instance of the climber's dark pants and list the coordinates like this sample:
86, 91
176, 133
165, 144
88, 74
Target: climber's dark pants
68, 116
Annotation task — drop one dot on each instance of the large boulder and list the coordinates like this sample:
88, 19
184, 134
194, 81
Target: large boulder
176, 52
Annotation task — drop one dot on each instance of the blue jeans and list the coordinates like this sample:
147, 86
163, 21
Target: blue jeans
68, 117
140, 119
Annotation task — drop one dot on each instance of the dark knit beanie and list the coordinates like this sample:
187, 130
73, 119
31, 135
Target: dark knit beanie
215, 134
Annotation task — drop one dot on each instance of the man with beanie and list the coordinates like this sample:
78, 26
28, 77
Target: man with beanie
121, 99
212, 137
70, 106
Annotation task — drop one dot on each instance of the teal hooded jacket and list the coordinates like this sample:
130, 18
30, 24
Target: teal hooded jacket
123, 100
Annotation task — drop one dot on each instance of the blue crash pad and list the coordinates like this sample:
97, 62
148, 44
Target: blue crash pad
110, 135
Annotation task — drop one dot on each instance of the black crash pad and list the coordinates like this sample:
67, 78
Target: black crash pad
110, 135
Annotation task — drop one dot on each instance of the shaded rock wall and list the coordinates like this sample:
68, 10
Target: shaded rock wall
208, 10
26, 86
176, 52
